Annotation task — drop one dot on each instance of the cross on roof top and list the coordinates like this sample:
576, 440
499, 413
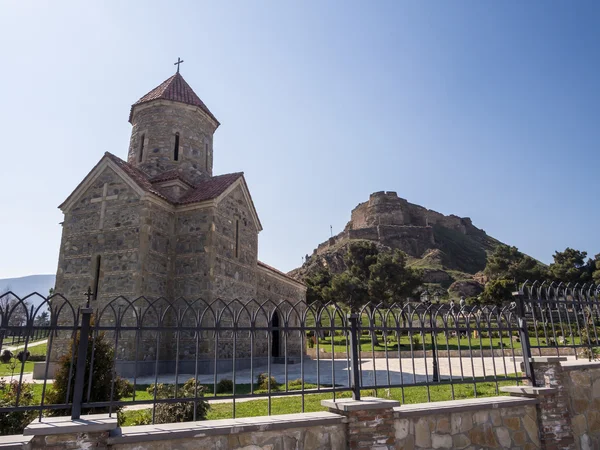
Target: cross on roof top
179, 61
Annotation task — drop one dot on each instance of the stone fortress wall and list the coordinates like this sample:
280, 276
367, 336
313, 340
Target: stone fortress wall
396, 223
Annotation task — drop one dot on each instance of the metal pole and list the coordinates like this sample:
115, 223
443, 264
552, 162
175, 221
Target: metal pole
81, 360
354, 355
436, 375
524, 336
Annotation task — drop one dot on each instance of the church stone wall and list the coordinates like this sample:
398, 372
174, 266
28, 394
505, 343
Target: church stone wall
235, 275
158, 122
156, 246
193, 258
117, 243
274, 287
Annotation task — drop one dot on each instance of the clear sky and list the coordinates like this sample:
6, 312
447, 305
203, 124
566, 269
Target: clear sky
483, 109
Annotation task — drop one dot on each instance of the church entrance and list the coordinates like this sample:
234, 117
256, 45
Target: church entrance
275, 335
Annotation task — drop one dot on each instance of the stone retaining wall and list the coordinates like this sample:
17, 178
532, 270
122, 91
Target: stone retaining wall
560, 412
582, 384
465, 424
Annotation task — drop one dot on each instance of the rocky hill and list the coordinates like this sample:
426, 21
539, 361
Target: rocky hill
447, 248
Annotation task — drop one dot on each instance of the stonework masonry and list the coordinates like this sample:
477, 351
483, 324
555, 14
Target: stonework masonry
562, 413
161, 226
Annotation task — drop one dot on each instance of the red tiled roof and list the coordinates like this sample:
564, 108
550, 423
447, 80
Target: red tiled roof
205, 190
177, 90
210, 188
278, 272
170, 175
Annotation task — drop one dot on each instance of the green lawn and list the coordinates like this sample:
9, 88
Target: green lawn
485, 343
6, 369
312, 402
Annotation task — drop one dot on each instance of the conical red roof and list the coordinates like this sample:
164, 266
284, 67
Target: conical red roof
175, 89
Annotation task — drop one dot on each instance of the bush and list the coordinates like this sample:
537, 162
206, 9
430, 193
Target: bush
295, 383
224, 386
15, 422
102, 377
263, 381
416, 339
181, 411
6, 356
141, 417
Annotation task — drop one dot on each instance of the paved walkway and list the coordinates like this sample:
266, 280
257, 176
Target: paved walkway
327, 372
22, 346
390, 371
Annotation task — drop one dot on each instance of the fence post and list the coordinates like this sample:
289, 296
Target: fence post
524, 336
86, 314
354, 340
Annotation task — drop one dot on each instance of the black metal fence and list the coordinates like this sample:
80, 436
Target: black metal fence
426, 350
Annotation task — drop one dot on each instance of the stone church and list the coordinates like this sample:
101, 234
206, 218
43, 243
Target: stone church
160, 223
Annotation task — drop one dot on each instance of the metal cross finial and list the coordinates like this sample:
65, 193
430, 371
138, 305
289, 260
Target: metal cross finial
179, 61
89, 294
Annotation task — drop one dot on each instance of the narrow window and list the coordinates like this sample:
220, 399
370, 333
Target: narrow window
142, 148
97, 277
237, 238
206, 155
176, 149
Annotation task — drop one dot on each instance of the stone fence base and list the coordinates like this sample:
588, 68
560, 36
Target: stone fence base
562, 411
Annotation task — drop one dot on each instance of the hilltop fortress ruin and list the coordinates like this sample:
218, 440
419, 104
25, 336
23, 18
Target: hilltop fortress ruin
446, 247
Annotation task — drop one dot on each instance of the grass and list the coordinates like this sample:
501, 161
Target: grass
312, 402
38, 351
485, 343
6, 369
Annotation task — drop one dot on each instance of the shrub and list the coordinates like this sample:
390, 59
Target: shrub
15, 422
102, 377
312, 340
141, 417
591, 353
263, 381
6, 356
181, 411
416, 339
295, 383
224, 386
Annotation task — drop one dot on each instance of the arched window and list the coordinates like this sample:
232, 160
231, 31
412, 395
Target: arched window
141, 156
176, 149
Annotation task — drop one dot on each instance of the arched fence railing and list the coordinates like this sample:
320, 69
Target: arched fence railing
278, 353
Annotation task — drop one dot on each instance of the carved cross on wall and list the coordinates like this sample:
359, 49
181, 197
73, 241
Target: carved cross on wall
103, 199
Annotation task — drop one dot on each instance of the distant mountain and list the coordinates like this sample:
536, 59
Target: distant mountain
26, 285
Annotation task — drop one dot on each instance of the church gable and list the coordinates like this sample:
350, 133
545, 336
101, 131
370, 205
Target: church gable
92, 187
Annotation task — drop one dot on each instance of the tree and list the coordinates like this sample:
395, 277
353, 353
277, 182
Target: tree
391, 280
13, 307
373, 276
42, 319
508, 263
596, 273
318, 285
102, 376
496, 292
570, 266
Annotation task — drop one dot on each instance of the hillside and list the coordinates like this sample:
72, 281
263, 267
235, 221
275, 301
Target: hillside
447, 248
26, 285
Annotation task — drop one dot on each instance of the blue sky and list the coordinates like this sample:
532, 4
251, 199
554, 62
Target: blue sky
483, 109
